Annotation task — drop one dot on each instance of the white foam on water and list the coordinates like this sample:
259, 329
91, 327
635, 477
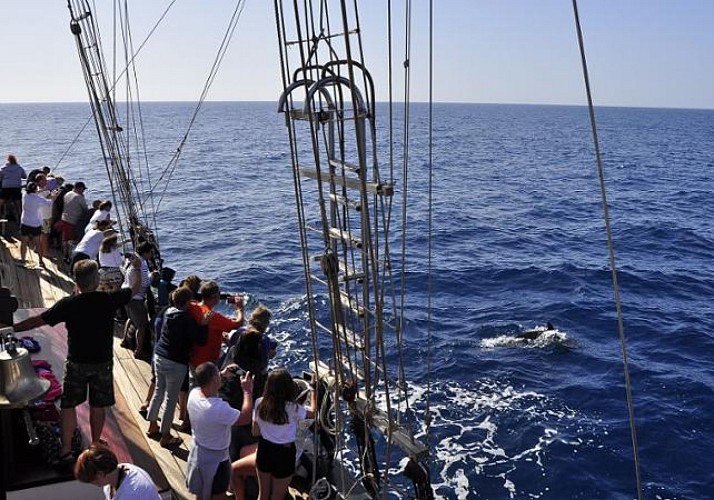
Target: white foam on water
469, 420
472, 425
545, 339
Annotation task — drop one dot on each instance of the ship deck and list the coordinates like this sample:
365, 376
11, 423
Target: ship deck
37, 289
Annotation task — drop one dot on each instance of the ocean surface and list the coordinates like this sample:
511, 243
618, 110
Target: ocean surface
518, 241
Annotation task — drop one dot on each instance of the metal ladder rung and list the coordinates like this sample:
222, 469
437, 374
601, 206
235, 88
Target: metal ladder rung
350, 273
400, 436
383, 189
386, 425
352, 338
345, 236
346, 202
346, 165
346, 275
351, 303
346, 335
356, 371
302, 115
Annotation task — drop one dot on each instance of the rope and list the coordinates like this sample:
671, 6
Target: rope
222, 49
116, 79
430, 230
405, 192
611, 254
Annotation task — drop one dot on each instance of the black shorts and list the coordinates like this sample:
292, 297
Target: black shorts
278, 460
29, 230
222, 478
11, 193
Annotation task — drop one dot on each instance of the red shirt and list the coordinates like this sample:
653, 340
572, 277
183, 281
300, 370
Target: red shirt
218, 324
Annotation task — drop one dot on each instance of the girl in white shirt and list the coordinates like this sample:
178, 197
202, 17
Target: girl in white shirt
110, 262
275, 420
31, 221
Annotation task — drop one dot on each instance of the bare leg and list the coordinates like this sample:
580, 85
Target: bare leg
37, 241
149, 395
182, 402
126, 339
280, 488
45, 244
17, 207
69, 423
153, 427
242, 468
96, 422
264, 485
140, 334
23, 248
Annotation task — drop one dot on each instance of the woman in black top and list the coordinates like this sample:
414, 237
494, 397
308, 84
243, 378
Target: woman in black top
179, 333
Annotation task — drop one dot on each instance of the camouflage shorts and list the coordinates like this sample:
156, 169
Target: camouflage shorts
78, 376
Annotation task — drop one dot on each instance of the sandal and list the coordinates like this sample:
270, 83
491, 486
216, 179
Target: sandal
171, 442
155, 435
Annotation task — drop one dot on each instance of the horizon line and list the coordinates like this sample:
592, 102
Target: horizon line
385, 102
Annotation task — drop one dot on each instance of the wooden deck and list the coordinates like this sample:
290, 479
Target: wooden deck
36, 289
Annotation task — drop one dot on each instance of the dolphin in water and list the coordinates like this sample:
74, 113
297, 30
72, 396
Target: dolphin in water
534, 334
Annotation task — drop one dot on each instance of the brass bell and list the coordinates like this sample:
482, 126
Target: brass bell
19, 384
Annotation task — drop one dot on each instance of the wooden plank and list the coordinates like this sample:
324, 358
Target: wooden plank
141, 452
132, 378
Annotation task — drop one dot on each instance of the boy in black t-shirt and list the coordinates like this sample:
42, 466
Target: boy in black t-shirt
89, 319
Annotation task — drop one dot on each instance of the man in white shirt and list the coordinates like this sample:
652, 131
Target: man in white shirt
102, 213
88, 246
209, 465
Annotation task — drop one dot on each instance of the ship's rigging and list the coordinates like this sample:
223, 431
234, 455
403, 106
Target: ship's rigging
345, 214
344, 209
346, 249
136, 195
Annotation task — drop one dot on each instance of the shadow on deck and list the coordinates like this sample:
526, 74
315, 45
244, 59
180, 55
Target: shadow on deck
36, 289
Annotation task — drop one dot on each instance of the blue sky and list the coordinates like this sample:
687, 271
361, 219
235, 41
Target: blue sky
652, 53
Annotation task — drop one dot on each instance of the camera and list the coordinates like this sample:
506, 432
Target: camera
233, 298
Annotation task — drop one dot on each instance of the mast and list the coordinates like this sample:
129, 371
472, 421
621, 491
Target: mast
343, 212
114, 144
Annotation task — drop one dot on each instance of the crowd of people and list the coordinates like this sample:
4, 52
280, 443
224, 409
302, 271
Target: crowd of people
213, 367
53, 215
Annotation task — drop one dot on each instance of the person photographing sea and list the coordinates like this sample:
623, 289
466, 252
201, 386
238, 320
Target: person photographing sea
209, 467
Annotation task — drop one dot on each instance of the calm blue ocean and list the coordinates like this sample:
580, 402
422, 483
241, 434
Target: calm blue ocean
518, 240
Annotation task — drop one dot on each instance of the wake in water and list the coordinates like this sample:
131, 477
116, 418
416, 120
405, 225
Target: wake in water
538, 337
492, 440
